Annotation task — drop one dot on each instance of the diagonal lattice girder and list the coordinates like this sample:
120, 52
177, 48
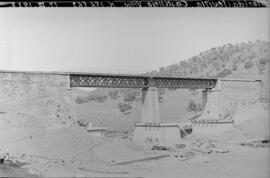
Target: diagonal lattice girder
162, 82
136, 81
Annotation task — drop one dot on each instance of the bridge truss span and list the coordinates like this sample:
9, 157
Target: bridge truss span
196, 83
138, 81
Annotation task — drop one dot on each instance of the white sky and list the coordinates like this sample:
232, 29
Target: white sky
124, 39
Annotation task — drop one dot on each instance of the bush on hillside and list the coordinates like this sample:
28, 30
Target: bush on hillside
113, 93
80, 100
234, 67
193, 107
124, 107
101, 98
248, 64
263, 60
261, 68
130, 95
224, 73
91, 98
82, 123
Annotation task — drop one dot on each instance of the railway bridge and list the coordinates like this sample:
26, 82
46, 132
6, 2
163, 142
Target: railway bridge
148, 84
220, 98
48, 94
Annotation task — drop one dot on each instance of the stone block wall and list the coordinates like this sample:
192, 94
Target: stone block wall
230, 95
36, 93
236, 94
210, 129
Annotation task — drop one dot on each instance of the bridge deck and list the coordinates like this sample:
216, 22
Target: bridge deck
109, 80
137, 81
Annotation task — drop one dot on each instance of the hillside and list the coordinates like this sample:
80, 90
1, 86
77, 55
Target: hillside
119, 109
222, 61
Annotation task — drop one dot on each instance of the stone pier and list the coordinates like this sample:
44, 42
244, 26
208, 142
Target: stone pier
151, 130
150, 107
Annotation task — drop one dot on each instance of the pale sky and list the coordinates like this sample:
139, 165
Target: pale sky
120, 39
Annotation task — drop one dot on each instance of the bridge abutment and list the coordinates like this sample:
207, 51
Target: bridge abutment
210, 100
222, 102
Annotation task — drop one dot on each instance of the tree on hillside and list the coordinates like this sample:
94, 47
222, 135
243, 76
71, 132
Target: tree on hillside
81, 100
234, 67
261, 68
113, 93
248, 64
130, 95
101, 98
193, 107
124, 107
224, 73
263, 60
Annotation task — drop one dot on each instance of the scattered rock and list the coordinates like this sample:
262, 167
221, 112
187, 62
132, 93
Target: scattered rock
82, 123
180, 145
157, 147
256, 144
221, 151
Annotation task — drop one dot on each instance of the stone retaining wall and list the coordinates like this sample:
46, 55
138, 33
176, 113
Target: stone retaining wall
228, 96
36, 93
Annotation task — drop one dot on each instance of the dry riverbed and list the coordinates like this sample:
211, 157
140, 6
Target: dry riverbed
118, 157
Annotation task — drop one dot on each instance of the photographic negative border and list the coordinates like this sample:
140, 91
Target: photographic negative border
141, 3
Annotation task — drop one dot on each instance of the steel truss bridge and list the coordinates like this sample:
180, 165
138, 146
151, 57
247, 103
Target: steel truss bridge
137, 81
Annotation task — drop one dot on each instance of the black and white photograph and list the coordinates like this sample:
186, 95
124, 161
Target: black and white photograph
104, 89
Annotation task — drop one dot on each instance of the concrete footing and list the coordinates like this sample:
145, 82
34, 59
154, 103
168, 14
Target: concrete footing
96, 131
210, 127
157, 133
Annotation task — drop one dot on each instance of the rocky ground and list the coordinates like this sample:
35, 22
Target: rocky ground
115, 157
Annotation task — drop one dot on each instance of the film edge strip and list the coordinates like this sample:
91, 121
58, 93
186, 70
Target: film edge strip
141, 3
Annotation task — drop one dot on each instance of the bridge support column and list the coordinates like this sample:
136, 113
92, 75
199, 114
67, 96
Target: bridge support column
150, 105
211, 103
151, 130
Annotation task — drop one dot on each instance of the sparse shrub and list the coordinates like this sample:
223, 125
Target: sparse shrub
261, 68
248, 64
130, 95
124, 107
82, 123
91, 98
234, 67
224, 73
263, 61
193, 107
101, 98
193, 91
172, 89
80, 100
113, 93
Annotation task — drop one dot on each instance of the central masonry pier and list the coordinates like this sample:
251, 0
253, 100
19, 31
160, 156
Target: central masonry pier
150, 107
151, 130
